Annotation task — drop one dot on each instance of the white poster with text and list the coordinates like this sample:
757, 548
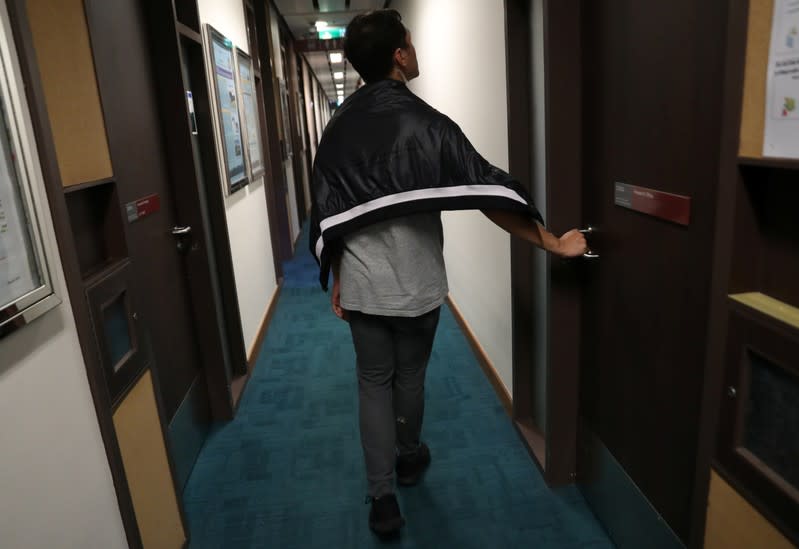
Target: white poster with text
781, 135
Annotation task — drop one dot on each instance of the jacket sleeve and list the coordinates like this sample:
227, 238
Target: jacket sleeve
461, 164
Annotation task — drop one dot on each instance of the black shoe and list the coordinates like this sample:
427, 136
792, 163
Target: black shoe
385, 517
410, 468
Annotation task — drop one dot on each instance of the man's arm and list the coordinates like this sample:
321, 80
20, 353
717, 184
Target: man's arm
571, 244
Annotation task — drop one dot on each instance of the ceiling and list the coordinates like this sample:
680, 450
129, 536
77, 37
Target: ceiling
301, 16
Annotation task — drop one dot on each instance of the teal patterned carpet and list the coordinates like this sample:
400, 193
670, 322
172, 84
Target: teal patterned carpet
288, 473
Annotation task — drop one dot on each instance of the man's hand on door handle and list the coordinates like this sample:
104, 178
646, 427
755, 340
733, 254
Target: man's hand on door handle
571, 244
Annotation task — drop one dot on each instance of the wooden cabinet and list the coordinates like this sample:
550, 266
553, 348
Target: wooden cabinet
752, 381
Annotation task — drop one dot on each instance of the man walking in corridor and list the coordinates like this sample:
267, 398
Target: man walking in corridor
387, 165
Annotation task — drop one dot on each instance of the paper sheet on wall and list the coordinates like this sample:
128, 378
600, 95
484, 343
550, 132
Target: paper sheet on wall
781, 135
19, 273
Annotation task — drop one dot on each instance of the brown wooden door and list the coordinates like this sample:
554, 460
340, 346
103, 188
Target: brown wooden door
125, 80
651, 100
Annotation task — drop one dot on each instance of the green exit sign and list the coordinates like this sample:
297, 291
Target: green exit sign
331, 32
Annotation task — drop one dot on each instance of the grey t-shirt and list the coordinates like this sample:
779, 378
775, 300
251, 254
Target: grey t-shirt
395, 267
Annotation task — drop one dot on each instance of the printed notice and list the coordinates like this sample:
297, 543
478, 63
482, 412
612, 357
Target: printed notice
781, 136
19, 273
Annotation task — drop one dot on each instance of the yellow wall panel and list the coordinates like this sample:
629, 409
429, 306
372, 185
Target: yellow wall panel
754, 102
732, 523
63, 51
147, 468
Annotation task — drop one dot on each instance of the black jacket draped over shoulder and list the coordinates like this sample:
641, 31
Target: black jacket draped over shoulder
386, 153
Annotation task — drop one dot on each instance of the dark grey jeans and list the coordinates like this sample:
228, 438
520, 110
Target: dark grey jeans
392, 355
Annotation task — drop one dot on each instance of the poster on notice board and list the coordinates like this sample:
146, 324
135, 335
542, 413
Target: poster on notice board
781, 134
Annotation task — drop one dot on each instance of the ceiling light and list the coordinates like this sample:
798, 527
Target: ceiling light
338, 76
320, 25
336, 57
339, 86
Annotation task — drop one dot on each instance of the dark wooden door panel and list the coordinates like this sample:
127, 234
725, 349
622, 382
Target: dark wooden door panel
126, 87
651, 115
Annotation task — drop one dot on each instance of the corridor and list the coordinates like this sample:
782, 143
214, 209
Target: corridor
287, 472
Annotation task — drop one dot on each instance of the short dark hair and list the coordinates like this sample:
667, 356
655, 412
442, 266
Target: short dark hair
371, 40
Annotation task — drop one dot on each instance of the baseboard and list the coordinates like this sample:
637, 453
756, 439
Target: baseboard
482, 358
238, 385
255, 348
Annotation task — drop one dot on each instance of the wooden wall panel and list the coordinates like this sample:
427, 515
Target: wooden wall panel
754, 101
147, 468
732, 523
61, 40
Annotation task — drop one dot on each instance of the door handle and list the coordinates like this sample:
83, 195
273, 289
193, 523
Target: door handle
181, 231
589, 254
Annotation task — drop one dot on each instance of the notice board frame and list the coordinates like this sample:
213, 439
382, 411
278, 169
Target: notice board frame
25, 195
232, 180
254, 169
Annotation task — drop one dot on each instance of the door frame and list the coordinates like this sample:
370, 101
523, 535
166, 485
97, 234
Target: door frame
278, 223
556, 451
292, 87
722, 254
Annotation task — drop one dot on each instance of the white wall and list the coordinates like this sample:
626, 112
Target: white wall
310, 105
247, 217
309, 126
318, 110
461, 49
56, 488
